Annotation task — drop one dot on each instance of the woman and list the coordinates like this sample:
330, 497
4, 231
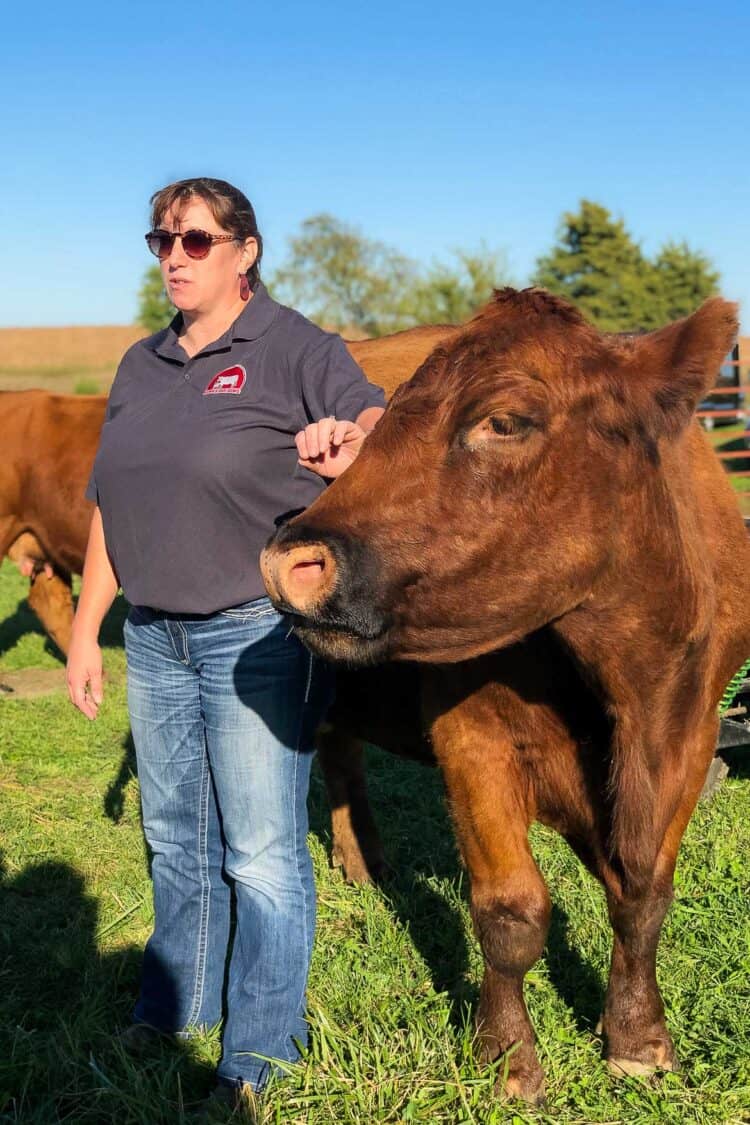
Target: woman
217, 428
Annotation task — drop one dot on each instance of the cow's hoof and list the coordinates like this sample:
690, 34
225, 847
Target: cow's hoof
358, 869
527, 1086
664, 1060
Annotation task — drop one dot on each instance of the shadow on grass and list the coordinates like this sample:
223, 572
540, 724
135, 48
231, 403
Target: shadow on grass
575, 980
62, 1004
738, 760
409, 803
23, 620
114, 797
417, 834
110, 635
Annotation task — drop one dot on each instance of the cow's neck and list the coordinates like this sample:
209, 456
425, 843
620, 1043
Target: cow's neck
642, 638
648, 618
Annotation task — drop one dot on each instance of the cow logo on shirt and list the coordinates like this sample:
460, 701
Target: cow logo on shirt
227, 382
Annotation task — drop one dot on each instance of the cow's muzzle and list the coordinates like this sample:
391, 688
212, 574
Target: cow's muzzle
298, 578
325, 584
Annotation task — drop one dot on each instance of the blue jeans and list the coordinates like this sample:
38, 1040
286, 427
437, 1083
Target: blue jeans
223, 710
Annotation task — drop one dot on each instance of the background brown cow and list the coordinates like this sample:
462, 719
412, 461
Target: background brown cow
539, 524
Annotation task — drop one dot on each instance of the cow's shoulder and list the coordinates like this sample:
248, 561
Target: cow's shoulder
391, 360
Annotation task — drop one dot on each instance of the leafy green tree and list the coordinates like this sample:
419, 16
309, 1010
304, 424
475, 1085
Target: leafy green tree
448, 294
154, 308
343, 280
598, 265
354, 284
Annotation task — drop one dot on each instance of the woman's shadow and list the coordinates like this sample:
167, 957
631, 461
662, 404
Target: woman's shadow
63, 1002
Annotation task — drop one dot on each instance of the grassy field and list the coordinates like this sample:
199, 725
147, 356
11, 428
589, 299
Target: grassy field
395, 972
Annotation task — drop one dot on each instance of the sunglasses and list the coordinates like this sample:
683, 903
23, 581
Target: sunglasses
195, 243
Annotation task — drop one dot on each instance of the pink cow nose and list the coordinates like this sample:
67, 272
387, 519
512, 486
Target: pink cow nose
301, 577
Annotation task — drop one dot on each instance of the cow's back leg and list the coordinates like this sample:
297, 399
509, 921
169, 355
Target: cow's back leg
510, 905
636, 1037
356, 841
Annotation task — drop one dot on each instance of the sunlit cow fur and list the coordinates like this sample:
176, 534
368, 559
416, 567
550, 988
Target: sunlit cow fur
541, 530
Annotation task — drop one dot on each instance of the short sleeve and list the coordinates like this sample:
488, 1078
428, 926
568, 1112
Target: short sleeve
92, 492
333, 383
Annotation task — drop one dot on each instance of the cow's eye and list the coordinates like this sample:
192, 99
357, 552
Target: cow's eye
497, 430
505, 425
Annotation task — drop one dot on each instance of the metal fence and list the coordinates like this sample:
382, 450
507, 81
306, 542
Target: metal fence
728, 423
733, 387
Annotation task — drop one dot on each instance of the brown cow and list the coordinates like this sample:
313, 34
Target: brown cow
49, 442
541, 529
49, 445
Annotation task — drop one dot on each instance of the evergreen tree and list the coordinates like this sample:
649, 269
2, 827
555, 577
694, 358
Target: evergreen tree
154, 308
599, 267
686, 278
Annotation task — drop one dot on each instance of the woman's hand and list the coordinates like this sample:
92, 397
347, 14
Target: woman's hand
84, 669
328, 447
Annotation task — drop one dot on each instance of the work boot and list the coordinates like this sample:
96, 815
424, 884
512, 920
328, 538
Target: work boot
238, 1104
141, 1039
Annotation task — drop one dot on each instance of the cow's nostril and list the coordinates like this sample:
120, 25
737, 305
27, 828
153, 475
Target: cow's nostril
308, 573
302, 576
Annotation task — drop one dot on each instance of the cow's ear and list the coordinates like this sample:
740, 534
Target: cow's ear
672, 369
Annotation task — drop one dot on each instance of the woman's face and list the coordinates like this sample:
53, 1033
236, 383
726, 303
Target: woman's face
209, 284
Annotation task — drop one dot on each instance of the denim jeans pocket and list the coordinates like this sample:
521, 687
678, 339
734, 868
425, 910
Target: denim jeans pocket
256, 610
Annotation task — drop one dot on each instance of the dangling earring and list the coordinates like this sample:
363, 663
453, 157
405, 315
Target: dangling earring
244, 287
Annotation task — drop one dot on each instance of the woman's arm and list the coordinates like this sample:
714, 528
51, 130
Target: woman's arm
369, 417
98, 590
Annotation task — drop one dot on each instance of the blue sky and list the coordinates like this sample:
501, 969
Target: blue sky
429, 126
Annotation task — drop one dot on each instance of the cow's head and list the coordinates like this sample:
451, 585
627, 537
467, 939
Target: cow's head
486, 501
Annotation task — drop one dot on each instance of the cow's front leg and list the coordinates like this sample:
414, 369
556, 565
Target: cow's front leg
50, 592
51, 599
510, 906
635, 1032
636, 1037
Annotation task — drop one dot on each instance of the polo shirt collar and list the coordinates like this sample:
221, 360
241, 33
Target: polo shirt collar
254, 321
257, 316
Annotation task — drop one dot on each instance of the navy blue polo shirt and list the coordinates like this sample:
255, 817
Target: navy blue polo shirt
197, 462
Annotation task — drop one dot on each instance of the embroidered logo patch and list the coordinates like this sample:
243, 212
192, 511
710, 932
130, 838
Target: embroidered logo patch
228, 382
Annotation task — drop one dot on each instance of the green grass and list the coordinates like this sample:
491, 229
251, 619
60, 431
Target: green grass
395, 971
87, 387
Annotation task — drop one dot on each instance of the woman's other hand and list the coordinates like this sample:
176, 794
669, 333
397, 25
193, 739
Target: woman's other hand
328, 447
84, 675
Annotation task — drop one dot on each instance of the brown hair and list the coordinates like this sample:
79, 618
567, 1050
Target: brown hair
232, 210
